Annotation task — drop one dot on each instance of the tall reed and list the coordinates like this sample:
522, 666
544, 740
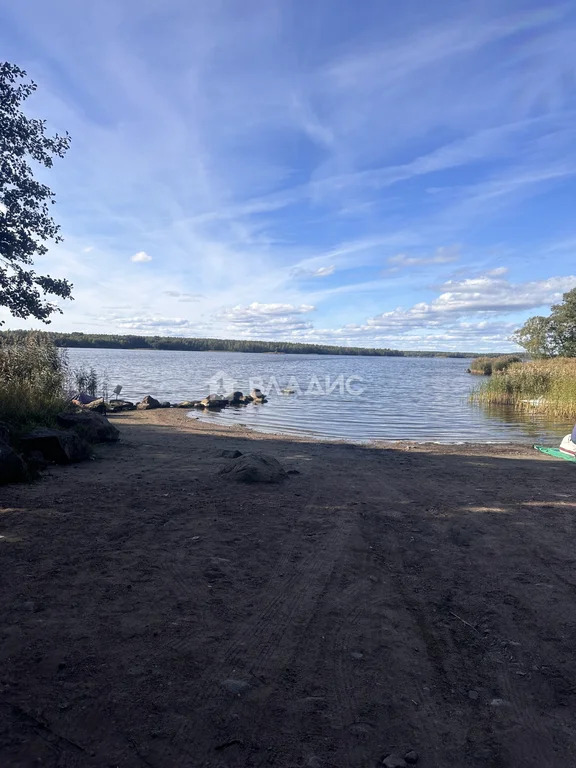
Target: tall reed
486, 366
32, 381
548, 386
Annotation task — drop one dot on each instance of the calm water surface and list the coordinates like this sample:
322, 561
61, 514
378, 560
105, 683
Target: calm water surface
402, 398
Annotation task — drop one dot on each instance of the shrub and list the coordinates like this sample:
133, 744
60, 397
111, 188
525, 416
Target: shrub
546, 385
486, 366
32, 381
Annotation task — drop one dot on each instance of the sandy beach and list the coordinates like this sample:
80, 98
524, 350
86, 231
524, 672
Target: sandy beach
381, 599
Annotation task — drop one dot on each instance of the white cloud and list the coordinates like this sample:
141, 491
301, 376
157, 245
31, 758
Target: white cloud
257, 318
319, 272
487, 294
141, 257
88, 249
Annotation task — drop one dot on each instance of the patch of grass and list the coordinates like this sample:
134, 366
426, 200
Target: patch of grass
548, 386
486, 366
33, 375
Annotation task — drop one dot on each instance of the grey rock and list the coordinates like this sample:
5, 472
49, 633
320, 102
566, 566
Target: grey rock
117, 406
234, 398
214, 401
56, 445
412, 757
165, 404
12, 467
473, 695
83, 398
91, 426
187, 404
255, 468
97, 406
394, 761
227, 454
258, 396
148, 403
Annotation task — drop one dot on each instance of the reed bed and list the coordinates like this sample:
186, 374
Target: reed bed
486, 366
548, 386
33, 376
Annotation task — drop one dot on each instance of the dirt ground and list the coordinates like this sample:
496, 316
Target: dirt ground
155, 613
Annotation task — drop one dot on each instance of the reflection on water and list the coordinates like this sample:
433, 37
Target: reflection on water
533, 422
401, 398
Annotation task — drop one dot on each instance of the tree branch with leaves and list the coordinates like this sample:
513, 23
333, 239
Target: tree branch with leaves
25, 222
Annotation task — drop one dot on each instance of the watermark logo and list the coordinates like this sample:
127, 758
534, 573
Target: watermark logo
315, 386
221, 383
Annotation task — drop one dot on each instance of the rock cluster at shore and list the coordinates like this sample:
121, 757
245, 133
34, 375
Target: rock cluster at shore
23, 456
210, 402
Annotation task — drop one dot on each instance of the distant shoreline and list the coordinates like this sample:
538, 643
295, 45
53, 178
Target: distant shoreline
184, 344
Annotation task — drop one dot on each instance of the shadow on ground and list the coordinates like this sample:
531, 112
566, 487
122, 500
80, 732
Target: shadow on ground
154, 613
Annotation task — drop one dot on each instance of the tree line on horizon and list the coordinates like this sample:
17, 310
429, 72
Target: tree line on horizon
175, 343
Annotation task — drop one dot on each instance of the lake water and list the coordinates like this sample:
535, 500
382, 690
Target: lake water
351, 398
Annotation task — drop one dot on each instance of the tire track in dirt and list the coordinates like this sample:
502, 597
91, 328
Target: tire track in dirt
264, 639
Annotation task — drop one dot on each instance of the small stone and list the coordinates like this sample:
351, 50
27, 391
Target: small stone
394, 761
412, 757
473, 695
227, 453
498, 703
357, 655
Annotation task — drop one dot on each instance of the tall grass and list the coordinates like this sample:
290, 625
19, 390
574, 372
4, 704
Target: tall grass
548, 386
486, 366
33, 375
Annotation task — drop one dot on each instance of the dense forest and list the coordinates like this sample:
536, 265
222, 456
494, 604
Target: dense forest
102, 341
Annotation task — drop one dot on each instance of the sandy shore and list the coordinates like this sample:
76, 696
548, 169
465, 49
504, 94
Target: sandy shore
155, 613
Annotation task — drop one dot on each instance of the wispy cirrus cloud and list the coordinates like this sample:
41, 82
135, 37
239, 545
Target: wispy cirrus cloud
443, 255
264, 165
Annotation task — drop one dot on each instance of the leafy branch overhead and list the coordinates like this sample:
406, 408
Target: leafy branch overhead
25, 221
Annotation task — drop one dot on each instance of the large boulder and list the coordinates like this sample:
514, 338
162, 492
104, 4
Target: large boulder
187, 404
91, 426
148, 403
117, 406
12, 467
258, 396
56, 445
97, 406
235, 398
214, 401
83, 398
254, 468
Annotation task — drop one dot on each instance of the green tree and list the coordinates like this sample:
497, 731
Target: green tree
553, 335
563, 324
25, 222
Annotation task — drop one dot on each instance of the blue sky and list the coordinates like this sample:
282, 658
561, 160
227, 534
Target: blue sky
375, 173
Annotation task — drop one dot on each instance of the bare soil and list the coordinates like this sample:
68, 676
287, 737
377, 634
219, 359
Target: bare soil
155, 613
